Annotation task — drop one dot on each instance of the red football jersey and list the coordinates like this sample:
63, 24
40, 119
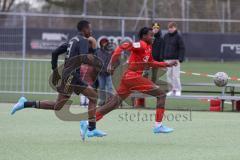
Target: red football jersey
140, 57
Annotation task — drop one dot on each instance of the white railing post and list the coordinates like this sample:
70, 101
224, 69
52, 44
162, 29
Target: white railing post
123, 28
23, 52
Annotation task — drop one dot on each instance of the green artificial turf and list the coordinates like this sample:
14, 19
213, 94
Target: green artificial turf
40, 135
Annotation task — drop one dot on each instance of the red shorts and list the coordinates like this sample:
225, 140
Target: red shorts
132, 81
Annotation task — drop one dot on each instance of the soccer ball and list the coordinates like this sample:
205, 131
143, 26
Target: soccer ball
220, 79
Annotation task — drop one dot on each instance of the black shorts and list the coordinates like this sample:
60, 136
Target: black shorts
72, 83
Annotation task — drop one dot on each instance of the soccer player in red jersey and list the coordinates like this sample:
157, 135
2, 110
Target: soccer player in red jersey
140, 60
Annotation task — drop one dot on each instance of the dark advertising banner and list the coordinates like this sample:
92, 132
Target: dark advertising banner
207, 46
44, 41
41, 41
212, 46
11, 40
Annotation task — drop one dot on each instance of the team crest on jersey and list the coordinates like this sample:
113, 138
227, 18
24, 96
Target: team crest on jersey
136, 45
145, 59
148, 50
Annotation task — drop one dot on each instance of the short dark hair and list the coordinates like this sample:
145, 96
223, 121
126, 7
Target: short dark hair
82, 24
172, 24
143, 31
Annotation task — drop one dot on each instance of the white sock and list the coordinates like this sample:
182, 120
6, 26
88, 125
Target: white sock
158, 124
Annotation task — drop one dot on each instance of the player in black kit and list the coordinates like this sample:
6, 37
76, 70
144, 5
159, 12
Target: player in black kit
77, 54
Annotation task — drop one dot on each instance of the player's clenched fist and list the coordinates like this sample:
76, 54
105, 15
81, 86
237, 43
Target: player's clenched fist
93, 43
56, 77
172, 63
110, 69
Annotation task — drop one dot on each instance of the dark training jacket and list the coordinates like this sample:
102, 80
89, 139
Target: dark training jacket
157, 47
105, 56
174, 47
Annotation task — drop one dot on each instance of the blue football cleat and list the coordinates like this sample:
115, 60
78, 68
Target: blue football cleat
96, 133
83, 129
19, 105
162, 129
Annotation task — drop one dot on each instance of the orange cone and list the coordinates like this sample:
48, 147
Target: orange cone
215, 105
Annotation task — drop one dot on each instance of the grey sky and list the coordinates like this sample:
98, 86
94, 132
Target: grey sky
34, 3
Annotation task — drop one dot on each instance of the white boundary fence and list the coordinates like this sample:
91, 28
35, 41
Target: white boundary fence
21, 75
33, 78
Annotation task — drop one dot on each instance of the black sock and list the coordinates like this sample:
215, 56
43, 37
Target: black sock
32, 104
91, 126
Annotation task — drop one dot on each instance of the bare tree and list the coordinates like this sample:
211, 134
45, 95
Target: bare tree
5, 5
204, 9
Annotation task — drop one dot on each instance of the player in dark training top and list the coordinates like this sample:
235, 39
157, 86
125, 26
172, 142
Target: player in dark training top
77, 54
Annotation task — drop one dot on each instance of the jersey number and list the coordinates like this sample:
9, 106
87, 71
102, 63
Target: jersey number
69, 49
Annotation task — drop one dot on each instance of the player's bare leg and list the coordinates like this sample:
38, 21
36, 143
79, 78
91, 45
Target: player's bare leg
46, 105
89, 127
112, 103
92, 96
50, 105
116, 100
160, 109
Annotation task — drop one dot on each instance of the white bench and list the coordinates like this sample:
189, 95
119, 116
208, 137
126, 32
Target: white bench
223, 98
231, 86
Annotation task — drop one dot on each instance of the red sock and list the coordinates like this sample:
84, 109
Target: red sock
159, 114
98, 116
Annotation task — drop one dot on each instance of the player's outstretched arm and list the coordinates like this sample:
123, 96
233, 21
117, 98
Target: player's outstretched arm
156, 64
115, 57
55, 54
125, 46
54, 61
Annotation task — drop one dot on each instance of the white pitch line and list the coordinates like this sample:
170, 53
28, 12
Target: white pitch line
209, 75
196, 74
228, 102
